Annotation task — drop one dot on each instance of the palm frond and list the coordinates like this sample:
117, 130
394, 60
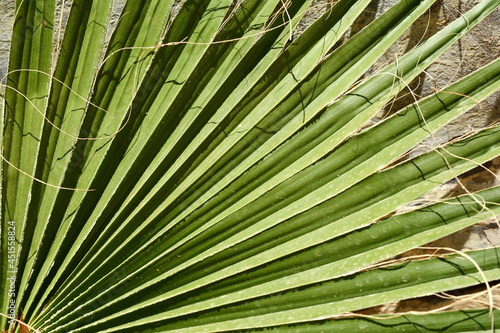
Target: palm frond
202, 166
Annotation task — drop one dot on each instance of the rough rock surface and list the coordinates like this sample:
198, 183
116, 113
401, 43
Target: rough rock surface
6, 21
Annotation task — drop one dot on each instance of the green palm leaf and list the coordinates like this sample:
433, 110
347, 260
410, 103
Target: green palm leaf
201, 166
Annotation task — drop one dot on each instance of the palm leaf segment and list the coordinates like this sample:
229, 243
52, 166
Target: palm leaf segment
211, 171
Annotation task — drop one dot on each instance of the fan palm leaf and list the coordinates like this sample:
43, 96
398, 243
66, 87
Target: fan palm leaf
201, 166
